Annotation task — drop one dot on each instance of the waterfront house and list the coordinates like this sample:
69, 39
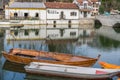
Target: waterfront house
63, 18
88, 8
53, 20
25, 10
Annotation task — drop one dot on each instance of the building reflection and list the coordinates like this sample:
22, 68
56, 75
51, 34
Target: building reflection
12, 71
14, 67
64, 46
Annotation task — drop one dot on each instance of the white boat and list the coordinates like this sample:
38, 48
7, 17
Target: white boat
70, 71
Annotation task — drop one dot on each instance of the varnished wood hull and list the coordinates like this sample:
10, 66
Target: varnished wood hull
25, 60
60, 58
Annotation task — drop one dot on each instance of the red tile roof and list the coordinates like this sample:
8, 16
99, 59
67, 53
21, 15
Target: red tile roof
81, 1
60, 5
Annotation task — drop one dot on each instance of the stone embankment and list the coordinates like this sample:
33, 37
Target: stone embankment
108, 32
109, 20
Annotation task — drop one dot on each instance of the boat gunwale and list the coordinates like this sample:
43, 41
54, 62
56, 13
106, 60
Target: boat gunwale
57, 53
53, 60
87, 62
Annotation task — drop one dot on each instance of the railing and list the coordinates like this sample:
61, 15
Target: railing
89, 8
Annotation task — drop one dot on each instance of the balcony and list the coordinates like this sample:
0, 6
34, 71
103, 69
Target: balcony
85, 8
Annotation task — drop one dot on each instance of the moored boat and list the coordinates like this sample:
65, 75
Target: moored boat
108, 65
25, 56
70, 71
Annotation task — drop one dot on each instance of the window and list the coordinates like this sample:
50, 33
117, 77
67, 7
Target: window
84, 33
54, 24
72, 33
36, 15
62, 15
69, 23
16, 32
85, 14
36, 31
15, 14
25, 15
52, 12
97, 5
73, 13
26, 32
85, 5
93, 4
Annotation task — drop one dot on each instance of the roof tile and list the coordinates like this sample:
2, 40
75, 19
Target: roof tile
60, 5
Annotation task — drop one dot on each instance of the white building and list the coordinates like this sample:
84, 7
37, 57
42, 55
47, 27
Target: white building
54, 20
88, 8
25, 10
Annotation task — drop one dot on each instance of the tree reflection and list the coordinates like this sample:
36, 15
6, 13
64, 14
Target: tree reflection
108, 43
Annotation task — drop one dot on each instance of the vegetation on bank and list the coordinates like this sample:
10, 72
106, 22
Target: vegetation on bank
108, 5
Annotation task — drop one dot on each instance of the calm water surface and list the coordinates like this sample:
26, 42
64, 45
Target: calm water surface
87, 46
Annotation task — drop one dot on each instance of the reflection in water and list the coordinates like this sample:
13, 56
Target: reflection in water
37, 45
15, 67
87, 46
108, 43
46, 77
13, 71
116, 27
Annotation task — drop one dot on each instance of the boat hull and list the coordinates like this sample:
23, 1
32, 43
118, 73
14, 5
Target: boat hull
93, 77
108, 65
70, 71
27, 60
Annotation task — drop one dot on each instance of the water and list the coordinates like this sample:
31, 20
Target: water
87, 46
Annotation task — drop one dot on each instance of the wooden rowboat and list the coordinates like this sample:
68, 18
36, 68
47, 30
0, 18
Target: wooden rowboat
108, 65
25, 56
70, 71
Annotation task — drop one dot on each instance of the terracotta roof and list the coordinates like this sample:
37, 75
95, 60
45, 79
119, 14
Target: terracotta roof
80, 1
60, 5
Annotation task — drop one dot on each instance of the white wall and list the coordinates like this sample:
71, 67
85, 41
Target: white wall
82, 14
31, 12
55, 13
